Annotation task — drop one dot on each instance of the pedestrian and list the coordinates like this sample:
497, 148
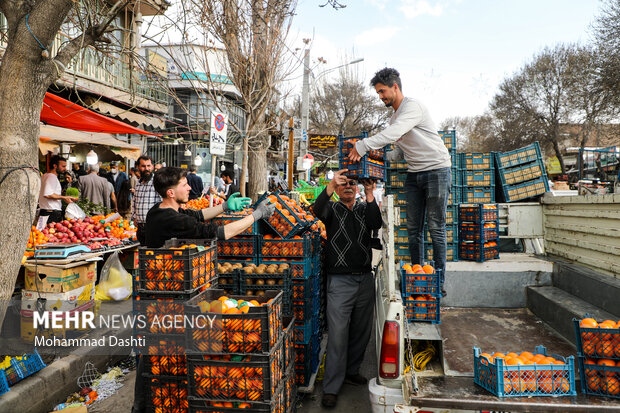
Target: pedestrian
118, 177
134, 178
78, 171
144, 197
195, 182
123, 200
350, 284
105, 174
50, 195
231, 187
167, 220
96, 189
427, 186
157, 167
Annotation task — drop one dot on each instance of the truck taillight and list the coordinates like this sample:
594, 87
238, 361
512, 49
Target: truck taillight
390, 348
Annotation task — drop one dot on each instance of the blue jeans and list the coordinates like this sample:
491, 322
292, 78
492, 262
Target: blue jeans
427, 197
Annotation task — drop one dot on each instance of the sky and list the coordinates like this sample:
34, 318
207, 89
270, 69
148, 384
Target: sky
451, 54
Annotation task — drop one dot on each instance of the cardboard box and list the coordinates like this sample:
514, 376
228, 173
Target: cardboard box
60, 278
66, 301
79, 409
130, 259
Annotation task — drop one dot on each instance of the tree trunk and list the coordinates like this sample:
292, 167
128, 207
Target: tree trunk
22, 88
244, 167
257, 167
558, 153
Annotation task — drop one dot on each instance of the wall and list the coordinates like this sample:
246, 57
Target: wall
584, 229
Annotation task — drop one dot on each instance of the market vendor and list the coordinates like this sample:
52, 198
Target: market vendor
166, 220
50, 195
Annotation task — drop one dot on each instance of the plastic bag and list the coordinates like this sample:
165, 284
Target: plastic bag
74, 212
115, 282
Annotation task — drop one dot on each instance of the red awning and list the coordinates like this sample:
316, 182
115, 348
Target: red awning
61, 112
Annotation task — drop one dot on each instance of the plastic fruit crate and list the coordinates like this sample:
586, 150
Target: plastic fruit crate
477, 251
452, 216
237, 247
157, 308
525, 190
241, 377
449, 139
476, 161
365, 168
420, 284
162, 345
525, 380
174, 269
597, 342
452, 251
290, 390
396, 178
478, 177
230, 217
521, 173
599, 379
288, 342
300, 269
165, 394
295, 247
304, 329
345, 147
20, 369
257, 331
307, 360
302, 289
303, 310
519, 156
275, 405
4, 385
252, 284
422, 309
170, 366
479, 231
484, 195
478, 212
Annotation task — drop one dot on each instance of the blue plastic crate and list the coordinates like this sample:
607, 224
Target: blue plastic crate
452, 216
519, 156
307, 360
452, 233
302, 332
426, 311
597, 342
303, 310
475, 161
293, 248
401, 252
396, 178
479, 231
478, 251
449, 139
372, 165
525, 190
525, 380
20, 369
237, 247
599, 380
300, 269
4, 385
227, 218
478, 213
484, 195
305, 288
420, 284
480, 177
452, 251
457, 176
521, 173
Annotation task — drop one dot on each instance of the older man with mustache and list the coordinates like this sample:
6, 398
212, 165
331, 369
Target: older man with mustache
350, 284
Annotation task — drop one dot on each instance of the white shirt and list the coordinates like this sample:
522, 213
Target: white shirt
415, 139
50, 185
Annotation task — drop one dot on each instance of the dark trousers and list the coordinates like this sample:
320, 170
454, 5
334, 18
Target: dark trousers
140, 234
139, 392
53, 214
427, 199
350, 305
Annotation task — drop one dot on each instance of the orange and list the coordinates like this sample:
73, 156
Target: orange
527, 355
593, 383
500, 355
416, 267
611, 386
589, 371
511, 354
537, 358
588, 323
609, 363
428, 269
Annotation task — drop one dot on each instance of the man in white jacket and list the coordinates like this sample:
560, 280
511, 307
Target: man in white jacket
415, 139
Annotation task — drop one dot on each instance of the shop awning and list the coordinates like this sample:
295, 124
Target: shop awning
51, 136
127, 115
66, 114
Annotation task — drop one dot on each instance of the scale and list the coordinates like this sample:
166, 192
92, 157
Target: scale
59, 250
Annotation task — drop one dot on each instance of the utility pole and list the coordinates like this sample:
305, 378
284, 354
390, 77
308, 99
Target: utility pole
305, 107
291, 161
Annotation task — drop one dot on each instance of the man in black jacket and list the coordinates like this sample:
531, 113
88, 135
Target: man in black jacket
350, 284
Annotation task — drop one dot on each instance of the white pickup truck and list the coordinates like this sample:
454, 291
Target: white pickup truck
510, 304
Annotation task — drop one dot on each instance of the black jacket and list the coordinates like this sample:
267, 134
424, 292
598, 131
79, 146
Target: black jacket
348, 233
163, 224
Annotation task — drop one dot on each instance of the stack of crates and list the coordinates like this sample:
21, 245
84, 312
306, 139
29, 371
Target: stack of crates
478, 232
452, 232
395, 185
239, 359
168, 278
521, 173
372, 165
420, 290
478, 178
243, 247
598, 351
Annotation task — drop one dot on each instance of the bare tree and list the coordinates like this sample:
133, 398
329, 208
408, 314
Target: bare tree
28, 68
253, 34
534, 103
607, 37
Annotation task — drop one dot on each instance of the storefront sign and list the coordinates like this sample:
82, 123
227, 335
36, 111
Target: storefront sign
219, 127
323, 141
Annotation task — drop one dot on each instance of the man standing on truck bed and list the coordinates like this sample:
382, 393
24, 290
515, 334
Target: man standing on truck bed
350, 284
415, 139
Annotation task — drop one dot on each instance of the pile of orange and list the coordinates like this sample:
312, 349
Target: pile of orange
544, 379
168, 396
603, 381
274, 246
169, 272
600, 343
202, 203
35, 239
